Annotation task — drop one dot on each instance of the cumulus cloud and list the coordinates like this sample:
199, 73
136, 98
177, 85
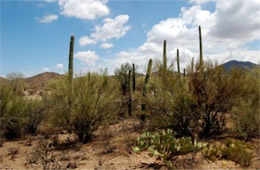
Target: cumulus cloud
237, 20
59, 66
106, 45
48, 18
111, 28
84, 9
87, 57
45, 69
83, 41
224, 31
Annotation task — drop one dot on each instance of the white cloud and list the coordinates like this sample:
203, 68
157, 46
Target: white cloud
224, 32
50, 0
83, 41
84, 9
59, 66
48, 18
106, 45
111, 28
87, 57
45, 69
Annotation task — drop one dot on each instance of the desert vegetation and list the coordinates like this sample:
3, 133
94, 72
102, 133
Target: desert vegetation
204, 112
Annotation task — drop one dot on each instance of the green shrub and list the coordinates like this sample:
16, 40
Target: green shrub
245, 114
214, 92
164, 145
94, 99
231, 149
170, 104
17, 83
13, 113
35, 114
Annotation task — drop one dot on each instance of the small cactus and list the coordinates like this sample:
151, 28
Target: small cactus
130, 104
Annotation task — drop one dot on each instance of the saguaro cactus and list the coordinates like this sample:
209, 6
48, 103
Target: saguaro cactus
164, 56
148, 72
70, 74
201, 54
178, 66
130, 104
133, 77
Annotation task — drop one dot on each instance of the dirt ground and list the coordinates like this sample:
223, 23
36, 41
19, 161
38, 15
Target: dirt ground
109, 149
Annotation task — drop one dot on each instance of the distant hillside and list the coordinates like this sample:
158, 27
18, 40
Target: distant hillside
40, 80
247, 65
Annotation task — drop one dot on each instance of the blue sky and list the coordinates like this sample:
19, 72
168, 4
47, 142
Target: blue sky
35, 34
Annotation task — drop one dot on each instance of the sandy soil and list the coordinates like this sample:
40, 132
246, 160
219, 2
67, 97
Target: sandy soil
109, 149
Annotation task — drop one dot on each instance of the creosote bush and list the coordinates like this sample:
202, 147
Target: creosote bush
13, 113
94, 99
245, 114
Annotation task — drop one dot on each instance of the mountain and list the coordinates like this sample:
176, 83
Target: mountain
247, 65
40, 80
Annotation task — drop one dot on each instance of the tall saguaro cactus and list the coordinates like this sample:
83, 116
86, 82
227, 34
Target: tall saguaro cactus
130, 104
70, 75
178, 66
133, 77
148, 72
201, 54
164, 56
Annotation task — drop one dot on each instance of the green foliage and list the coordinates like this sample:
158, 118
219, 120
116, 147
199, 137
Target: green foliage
35, 115
164, 145
13, 113
231, 149
95, 99
214, 92
121, 75
170, 104
245, 114
17, 83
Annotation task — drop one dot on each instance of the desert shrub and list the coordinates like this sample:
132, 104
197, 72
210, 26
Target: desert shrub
94, 99
231, 149
214, 92
13, 113
121, 75
245, 114
17, 83
35, 115
169, 103
164, 145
